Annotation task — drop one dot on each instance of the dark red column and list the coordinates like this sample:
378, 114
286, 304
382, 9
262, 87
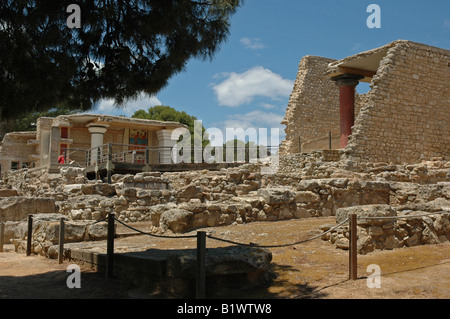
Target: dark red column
347, 84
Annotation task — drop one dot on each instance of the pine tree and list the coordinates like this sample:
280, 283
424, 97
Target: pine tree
123, 48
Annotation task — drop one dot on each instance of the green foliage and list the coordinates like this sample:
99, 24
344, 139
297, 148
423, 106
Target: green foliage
167, 113
27, 122
122, 49
244, 149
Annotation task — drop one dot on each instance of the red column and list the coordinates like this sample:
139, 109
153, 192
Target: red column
347, 84
347, 108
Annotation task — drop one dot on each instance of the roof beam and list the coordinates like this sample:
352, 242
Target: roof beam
365, 73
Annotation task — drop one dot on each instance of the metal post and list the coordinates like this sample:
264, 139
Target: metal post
2, 235
99, 155
29, 234
147, 155
353, 254
109, 164
61, 241
110, 247
201, 266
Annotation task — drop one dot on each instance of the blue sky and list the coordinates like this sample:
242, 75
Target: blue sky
249, 81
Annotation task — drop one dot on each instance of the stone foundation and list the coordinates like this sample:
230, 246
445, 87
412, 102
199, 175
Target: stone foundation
306, 185
407, 228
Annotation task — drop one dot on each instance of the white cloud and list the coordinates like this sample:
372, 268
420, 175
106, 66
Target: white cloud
143, 102
252, 43
239, 89
268, 106
256, 119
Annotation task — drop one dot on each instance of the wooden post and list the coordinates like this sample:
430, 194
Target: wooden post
329, 140
61, 241
201, 265
353, 254
110, 247
29, 234
2, 236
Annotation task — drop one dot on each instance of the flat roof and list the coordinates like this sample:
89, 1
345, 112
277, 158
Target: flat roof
367, 63
364, 63
82, 118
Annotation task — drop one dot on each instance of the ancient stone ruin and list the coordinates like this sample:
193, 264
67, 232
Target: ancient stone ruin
393, 164
402, 119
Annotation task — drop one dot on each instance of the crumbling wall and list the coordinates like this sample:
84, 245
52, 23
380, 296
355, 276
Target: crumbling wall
313, 108
16, 149
406, 117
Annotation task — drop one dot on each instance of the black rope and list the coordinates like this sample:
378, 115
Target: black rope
153, 235
281, 245
270, 246
403, 216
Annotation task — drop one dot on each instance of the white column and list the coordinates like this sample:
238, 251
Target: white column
166, 144
97, 133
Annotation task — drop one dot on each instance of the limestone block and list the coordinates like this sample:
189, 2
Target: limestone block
277, 195
377, 210
176, 220
219, 261
18, 208
307, 197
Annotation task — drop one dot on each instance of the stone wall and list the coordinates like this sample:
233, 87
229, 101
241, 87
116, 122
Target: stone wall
411, 225
313, 109
307, 185
406, 118
16, 149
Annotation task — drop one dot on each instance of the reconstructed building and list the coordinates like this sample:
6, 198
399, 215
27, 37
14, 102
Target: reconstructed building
82, 139
404, 118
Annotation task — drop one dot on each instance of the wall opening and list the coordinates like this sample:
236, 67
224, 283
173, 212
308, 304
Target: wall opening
363, 88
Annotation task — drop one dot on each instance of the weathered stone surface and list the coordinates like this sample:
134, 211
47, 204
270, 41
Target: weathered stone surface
103, 189
19, 207
366, 211
307, 196
278, 195
219, 261
442, 224
176, 220
412, 229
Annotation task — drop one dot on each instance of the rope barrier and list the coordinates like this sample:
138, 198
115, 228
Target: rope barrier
404, 216
273, 246
234, 242
153, 235
281, 245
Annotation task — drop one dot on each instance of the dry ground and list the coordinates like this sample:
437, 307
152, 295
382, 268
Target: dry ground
315, 269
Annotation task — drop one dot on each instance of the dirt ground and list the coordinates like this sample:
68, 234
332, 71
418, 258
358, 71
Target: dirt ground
312, 270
